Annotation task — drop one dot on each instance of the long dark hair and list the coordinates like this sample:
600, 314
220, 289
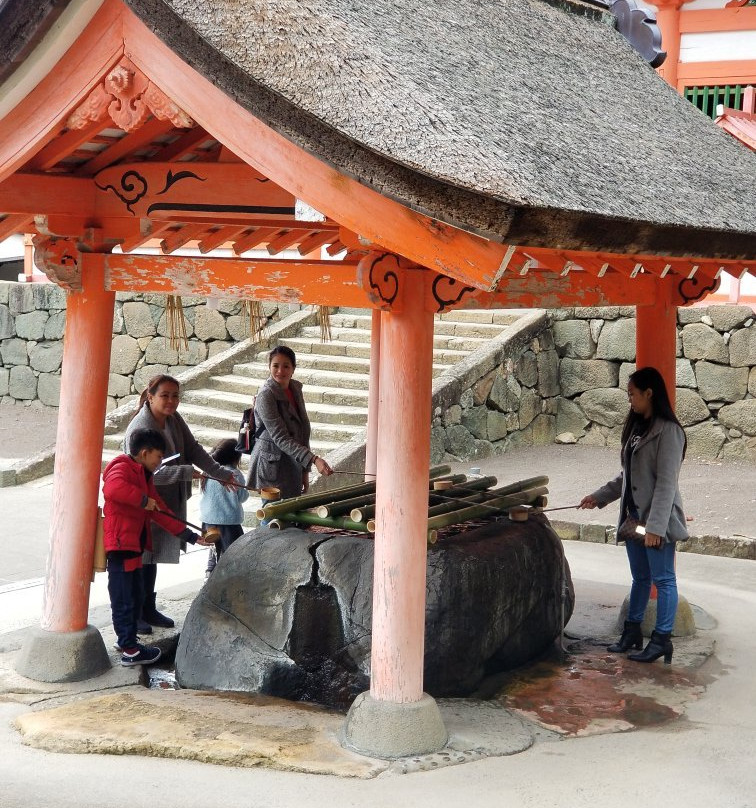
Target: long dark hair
649, 378
151, 389
224, 452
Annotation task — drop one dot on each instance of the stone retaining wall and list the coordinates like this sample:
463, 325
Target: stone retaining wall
716, 377
32, 322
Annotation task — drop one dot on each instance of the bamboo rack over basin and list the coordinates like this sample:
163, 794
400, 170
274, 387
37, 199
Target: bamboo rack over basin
462, 501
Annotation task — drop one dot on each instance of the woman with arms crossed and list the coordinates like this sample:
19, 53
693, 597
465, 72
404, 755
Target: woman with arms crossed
653, 448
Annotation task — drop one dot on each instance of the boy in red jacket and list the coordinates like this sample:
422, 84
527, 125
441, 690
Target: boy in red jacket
131, 502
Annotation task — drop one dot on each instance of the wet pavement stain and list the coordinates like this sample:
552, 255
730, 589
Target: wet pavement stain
592, 691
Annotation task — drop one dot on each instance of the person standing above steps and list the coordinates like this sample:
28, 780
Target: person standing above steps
281, 457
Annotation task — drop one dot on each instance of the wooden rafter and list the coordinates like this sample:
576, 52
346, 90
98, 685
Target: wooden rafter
126, 146
63, 146
180, 238
287, 239
223, 235
315, 241
184, 145
258, 236
149, 233
13, 224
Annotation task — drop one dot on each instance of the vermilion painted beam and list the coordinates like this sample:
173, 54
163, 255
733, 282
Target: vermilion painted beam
542, 289
718, 19
46, 194
298, 281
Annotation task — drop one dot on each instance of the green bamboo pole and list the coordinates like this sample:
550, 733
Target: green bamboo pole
484, 509
469, 486
344, 505
307, 518
454, 503
301, 503
359, 514
339, 507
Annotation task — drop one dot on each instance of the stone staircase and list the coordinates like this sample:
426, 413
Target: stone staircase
334, 375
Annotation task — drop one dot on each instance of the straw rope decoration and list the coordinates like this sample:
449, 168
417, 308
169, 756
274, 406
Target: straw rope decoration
174, 311
254, 319
324, 321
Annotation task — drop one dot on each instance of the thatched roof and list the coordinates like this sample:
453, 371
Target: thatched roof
529, 121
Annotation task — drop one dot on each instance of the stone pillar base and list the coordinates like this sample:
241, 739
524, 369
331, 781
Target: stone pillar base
685, 623
389, 729
51, 656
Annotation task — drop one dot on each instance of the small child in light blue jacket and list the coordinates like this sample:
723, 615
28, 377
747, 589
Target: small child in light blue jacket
219, 507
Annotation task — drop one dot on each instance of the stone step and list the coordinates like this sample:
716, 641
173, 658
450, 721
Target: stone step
495, 316
323, 378
248, 387
325, 437
350, 337
344, 364
442, 354
456, 328
235, 403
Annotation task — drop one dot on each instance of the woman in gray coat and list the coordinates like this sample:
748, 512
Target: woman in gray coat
653, 448
157, 410
281, 456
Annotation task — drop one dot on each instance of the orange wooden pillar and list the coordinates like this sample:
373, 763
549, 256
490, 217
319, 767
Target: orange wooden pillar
396, 718
66, 648
656, 346
371, 447
668, 19
656, 338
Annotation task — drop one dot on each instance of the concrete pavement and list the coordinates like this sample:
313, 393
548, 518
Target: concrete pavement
702, 759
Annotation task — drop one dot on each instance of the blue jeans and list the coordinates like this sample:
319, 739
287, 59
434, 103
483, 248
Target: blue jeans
126, 590
647, 565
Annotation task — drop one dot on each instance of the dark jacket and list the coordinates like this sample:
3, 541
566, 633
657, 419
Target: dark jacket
282, 451
654, 478
126, 490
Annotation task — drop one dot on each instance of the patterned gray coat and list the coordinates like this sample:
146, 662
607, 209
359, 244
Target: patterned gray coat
282, 451
173, 481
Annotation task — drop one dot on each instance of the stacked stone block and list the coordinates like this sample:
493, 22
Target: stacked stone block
32, 323
716, 377
512, 404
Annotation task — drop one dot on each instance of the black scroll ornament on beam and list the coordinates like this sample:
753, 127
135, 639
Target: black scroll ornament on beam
445, 293
383, 277
687, 289
134, 186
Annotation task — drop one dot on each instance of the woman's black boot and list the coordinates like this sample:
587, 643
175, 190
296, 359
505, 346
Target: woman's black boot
632, 637
658, 645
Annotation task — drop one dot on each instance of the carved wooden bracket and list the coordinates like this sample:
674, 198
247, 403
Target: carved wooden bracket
58, 258
379, 274
129, 97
